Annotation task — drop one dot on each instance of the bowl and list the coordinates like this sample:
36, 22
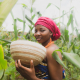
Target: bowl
26, 51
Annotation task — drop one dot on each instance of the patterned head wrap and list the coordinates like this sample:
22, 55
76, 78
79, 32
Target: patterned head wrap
50, 24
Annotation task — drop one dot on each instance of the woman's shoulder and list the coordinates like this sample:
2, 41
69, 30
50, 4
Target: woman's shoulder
52, 48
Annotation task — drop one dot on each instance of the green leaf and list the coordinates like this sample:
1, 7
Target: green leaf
72, 58
72, 25
1, 73
20, 20
12, 15
73, 48
24, 5
5, 8
79, 37
60, 44
33, 16
3, 64
69, 50
70, 19
29, 20
15, 30
56, 57
39, 14
5, 40
0, 67
11, 69
56, 6
31, 28
48, 5
4, 44
31, 10
76, 47
66, 35
63, 14
1, 52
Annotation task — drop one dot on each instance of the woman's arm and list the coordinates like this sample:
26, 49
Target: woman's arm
55, 69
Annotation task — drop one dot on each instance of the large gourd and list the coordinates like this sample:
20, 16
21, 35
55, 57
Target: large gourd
26, 51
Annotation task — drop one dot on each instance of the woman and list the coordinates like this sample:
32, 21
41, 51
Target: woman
46, 32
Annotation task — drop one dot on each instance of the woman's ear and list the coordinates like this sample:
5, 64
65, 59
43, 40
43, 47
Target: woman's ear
51, 33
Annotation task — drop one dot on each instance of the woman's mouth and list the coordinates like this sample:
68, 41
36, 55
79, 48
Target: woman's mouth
38, 39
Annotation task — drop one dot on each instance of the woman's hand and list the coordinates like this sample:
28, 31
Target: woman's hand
27, 73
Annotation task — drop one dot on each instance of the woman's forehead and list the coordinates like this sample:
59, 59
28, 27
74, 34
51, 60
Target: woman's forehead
40, 27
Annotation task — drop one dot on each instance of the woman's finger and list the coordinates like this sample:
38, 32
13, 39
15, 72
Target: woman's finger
16, 64
31, 64
21, 66
19, 63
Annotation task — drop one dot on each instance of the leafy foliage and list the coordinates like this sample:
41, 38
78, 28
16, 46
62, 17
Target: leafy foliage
68, 43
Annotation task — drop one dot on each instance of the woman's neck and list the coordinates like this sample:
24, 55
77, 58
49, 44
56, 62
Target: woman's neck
46, 42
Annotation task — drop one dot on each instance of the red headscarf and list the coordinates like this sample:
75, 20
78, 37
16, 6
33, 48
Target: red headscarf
50, 24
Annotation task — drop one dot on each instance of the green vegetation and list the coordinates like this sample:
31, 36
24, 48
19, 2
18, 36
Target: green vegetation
69, 44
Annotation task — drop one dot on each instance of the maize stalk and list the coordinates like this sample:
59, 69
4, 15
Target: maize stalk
5, 8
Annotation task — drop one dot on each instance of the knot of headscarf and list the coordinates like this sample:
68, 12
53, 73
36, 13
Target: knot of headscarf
50, 24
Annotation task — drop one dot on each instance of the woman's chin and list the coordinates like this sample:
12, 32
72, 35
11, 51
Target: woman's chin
39, 41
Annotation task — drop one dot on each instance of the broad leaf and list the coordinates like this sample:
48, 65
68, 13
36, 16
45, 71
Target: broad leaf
72, 58
3, 63
1, 73
56, 57
1, 52
5, 8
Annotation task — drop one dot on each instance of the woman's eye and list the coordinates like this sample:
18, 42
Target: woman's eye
35, 31
42, 30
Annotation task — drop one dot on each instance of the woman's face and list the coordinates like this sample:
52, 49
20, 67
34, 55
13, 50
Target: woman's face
42, 34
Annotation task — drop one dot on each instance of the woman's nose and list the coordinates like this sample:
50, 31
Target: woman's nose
38, 33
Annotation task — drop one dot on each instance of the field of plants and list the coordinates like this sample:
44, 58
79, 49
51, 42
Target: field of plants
68, 43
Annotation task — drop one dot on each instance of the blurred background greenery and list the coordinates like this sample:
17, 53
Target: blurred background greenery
63, 12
